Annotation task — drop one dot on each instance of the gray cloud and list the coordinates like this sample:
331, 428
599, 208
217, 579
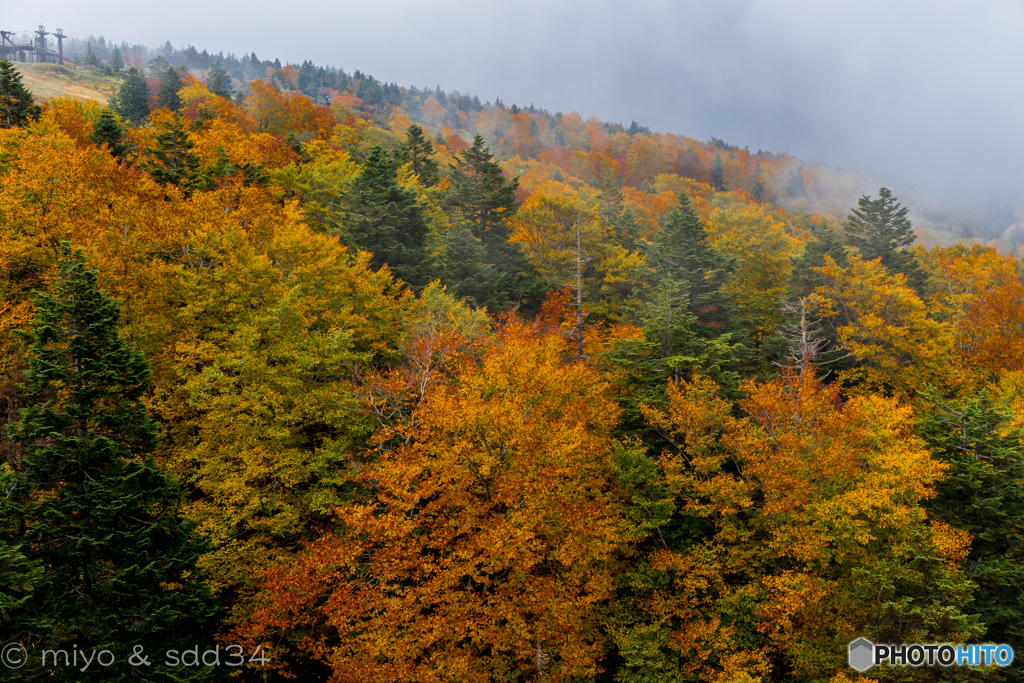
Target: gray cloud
921, 92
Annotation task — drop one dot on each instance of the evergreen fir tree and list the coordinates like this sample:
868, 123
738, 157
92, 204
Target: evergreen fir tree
716, 173
825, 240
115, 61
107, 130
158, 64
418, 150
626, 230
131, 102
172, 160
682, 252
479, 188
609, 203
170, 84
481, 194
86, 501
982, 493
19, 579
220, 169
388, 220
89, 58
880, 228
16, 105
218, 81
462, 266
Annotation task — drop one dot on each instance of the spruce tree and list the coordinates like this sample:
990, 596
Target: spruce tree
481, 195
89, 58
417, 150
388, 220
16, 105
170, 84
107, 131
609, 202
462, 266
626, 230
982, 493
86, 502
687, 318
218, 81
115, 61
479, 189
825, 240
717, 173
682, 252
131, 102
172, 160
879, 228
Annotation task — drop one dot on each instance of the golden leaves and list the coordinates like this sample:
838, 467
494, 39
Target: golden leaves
883, 322
489, 530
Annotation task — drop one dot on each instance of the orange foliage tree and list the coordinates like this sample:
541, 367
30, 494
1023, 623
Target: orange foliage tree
484, 543
281, 114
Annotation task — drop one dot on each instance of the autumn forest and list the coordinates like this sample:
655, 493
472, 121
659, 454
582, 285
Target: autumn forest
359, 382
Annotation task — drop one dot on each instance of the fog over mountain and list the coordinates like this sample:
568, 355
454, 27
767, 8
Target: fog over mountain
923, 96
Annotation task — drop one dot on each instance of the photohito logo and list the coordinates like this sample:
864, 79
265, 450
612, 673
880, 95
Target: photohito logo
864, 654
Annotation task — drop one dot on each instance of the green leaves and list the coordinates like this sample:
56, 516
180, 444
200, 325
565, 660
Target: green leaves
880, 229
131, 99
387, 220
86, 501
173, 161
983, 494
16, 106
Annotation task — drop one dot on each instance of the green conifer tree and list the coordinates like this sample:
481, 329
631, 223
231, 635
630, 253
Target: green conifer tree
463, 267
479, 189
16, 105
682, 252
879, 228
388, 220
982, 493
170, 84
131, 102
825, 240
107, 131
418, 150
716, 173
86, 502
626, 230
481, 194
89, 58
115, 61
218, 81
172, 161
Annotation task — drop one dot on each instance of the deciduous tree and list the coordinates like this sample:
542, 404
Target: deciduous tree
484, 546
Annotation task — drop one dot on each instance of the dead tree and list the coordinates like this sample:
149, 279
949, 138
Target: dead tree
807, 339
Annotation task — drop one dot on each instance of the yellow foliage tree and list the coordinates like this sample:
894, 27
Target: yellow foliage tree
813, 534
757, 239
882, 321
484, 545
568, 244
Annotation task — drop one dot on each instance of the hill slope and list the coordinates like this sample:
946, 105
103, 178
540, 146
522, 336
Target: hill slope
53, 80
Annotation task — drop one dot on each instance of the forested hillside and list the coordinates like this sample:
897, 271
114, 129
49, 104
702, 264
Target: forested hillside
360, 382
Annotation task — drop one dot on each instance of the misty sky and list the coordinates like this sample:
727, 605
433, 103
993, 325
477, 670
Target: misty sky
927, 92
